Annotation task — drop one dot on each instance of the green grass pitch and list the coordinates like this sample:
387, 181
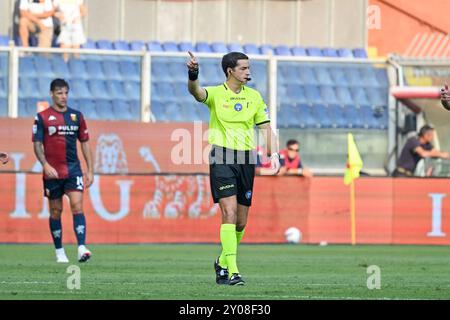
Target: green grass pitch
185, 271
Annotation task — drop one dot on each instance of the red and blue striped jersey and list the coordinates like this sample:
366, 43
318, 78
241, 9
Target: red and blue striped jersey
59, 132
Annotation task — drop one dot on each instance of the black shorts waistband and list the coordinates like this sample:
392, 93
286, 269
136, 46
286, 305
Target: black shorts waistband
223, 155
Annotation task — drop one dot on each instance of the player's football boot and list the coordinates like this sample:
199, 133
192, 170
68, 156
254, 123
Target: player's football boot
221, 273
83, 254
236, 280
61, 256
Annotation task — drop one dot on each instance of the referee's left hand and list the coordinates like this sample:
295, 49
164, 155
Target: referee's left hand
4, 158
275, 162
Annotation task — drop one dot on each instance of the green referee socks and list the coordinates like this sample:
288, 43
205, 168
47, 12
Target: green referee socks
229, 247
222, 259
239, 235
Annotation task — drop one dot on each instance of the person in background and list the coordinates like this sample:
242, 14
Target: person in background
290, 161
4, 158
415, 149
36, 17
70, 13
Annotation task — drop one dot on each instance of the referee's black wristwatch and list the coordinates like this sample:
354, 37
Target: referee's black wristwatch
193, 74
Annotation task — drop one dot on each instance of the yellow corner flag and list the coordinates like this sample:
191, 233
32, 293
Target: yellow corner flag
354, 161
354, 166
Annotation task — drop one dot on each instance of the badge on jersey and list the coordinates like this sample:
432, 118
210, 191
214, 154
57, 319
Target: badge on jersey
73, 116
238, 107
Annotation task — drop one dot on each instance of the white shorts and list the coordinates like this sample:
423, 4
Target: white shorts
71, 35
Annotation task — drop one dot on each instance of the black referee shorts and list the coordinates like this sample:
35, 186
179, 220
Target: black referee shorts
232, 176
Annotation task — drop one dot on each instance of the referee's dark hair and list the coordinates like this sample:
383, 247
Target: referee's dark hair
425, 129
230, 60
58, 83
291, 142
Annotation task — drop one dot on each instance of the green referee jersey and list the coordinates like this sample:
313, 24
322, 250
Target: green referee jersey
234, 115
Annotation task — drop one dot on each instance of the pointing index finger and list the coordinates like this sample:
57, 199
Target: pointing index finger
191, 54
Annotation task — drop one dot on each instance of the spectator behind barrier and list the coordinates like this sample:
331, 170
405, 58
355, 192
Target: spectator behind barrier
415, 149
70, 13
290, 161
36, 17
4, 158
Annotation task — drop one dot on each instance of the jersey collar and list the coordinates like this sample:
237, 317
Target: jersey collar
227, 88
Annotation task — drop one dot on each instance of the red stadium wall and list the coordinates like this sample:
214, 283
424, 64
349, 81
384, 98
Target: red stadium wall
119, 205
400, 211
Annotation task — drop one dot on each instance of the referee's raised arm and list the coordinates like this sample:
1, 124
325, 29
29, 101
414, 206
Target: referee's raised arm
194, 87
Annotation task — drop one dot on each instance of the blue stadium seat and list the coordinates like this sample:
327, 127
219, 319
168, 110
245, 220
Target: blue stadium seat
159, 111
282, 51
132, 90
80, 89
28, 88
173, 112
382, 77
235, 47
78, 69
344, 95
312, 93
43, 67
266, 49
289, 116
164, 91
130, 70
359, 95
60, 67
98, 89
154, 46
202, 112
251, 48
87, 107
314, 52
381, 117
28, 107
90, 44
27, 68
181, 92
360, 53
138, 46
121, 110
307, 74
345, 53
211, 72
299, 51
94, 69
353, 116
369, 119
3, 107
337, 116
330, 52
305, 118
377, 96
104, 109
116, 89
111, 70
338, 76
4, 41
3, 87
170, 46
121, 45
328, 94
322, 75
178, 71
203, 47
353, 76
135, 109
296, 93
159, 71
368, 76
186, 46
321, 116
44, 86
104, 45
219, 47
288, 73
188, 111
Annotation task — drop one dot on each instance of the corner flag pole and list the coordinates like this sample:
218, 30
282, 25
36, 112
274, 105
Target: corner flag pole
353, 211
